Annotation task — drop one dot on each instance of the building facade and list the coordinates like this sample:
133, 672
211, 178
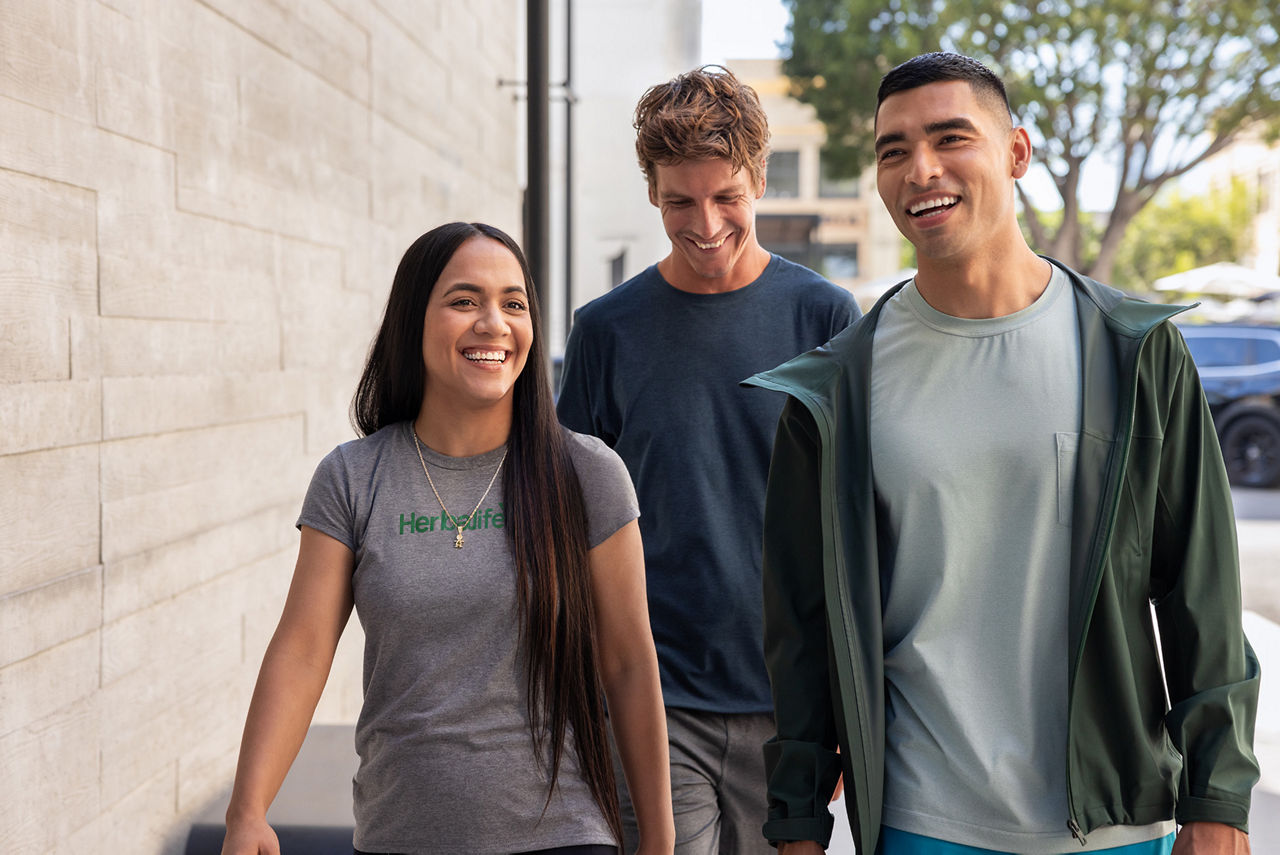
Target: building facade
202, 203
838, 227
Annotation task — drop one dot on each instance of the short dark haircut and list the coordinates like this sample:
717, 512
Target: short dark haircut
704, 113
941, 66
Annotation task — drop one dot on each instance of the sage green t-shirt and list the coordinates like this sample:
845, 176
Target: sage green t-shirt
974, 430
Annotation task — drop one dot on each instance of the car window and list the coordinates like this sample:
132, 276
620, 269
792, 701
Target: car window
1210, 352
1266, 350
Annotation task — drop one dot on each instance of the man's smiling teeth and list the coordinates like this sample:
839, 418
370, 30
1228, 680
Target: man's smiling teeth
702, 245
943, 202
498, 356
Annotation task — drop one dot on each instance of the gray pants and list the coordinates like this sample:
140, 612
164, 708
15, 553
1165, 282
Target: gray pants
717, 783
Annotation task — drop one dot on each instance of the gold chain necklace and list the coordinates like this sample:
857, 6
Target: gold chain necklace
457, 541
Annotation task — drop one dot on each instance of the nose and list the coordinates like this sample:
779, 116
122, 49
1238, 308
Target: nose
708, 219
925, 165
491, 321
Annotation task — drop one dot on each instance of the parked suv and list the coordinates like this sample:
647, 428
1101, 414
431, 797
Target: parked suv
1239, 367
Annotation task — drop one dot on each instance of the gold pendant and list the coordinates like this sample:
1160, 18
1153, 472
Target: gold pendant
457, 541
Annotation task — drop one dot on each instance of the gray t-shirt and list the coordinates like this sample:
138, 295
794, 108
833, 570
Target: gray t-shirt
446, 759
974, 430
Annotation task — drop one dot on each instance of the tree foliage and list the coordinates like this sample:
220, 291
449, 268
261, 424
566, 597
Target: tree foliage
1175, 233
1152, 87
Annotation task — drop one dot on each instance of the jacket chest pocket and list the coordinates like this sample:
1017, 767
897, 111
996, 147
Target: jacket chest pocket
1068, 452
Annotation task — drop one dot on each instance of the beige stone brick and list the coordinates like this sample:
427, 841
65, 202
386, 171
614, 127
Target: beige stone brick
50, 781
358, 12
36, 416
314, 35
153, 714
133, 406
405, 78
151, 464
207, 766
160, 263
198, 491
143, 820
48, 519
48, 273
320, 320
86, 352
38, 142
329, 126
418, 20
45, 48
34, 688
137, 347
138, 581
40, 618
159, 61
188, 623
247, 179
328, 401
409, 178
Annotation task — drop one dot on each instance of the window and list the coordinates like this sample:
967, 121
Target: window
836, 188
782, 181
617, 268
1266, 350
838, 261
1218, 352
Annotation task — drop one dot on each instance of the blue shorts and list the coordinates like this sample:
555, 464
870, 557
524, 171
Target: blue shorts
895, 842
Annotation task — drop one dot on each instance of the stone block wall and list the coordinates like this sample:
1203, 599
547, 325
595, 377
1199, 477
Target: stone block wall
202, 203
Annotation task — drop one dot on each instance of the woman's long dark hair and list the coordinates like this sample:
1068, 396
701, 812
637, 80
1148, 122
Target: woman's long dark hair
546, 517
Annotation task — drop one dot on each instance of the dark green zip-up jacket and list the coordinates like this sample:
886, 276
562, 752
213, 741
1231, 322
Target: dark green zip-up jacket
1153, 524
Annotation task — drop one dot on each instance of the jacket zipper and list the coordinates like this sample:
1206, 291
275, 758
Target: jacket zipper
1131, 407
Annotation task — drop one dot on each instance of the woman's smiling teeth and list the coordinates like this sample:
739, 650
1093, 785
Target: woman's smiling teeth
930, 204
491, 357
713, 245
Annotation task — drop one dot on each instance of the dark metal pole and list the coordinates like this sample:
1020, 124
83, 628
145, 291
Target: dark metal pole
568, 165
538, 194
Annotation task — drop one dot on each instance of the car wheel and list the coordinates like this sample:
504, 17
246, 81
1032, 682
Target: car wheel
1251, 449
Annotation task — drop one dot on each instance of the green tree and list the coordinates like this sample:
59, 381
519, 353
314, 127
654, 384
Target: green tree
1155, 87
1178, 232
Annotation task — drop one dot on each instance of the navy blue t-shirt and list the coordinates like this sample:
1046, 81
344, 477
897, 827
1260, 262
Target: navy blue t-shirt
654, 372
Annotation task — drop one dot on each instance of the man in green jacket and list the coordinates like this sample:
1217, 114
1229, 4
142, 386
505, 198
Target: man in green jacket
1000, 571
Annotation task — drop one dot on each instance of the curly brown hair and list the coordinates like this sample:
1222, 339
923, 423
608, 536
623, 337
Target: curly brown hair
704, 113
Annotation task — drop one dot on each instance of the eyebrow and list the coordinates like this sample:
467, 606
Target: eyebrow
956, 124
476, 289
723, 191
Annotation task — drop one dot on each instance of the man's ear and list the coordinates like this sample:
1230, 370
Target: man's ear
1020, 148
764, 178
653, 195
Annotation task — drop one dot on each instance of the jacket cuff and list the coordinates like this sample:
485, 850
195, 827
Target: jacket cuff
816, 828
1192, 809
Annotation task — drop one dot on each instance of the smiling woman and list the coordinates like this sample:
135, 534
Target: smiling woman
476, 335
486, 655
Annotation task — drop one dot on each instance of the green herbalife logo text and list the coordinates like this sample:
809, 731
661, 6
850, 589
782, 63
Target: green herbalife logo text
411, 523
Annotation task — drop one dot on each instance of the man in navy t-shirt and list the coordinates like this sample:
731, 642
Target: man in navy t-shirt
652, 368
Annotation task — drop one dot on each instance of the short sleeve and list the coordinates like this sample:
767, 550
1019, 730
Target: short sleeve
327, 507
607, 490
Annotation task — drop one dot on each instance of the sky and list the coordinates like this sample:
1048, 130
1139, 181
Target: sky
742, 29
